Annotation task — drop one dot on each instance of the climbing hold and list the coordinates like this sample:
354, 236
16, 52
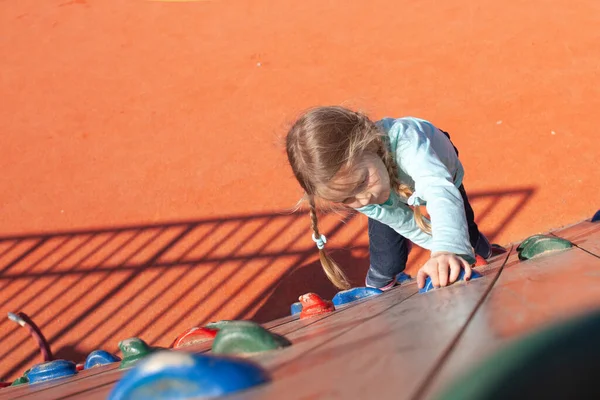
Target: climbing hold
429, 286
220, 324
4, 384
179, 375
313, 305
99, 357
530, 239
79, 367
194, 335
246, 337
348, 296
133, 350
480, 261
296, 308
51, 370
596, 216
533, 366
22, 380
542, 245
402, 277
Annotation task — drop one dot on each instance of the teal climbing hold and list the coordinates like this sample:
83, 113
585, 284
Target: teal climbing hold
133, 350
529, 240
220, 324
246, 337
24, 379
541, 245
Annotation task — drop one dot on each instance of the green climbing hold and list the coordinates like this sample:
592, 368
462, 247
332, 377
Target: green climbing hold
541, 245
558, 362
220, 324
529, 240
134, 349
22, 380
246, 337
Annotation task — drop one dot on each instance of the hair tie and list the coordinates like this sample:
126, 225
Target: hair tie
320, 241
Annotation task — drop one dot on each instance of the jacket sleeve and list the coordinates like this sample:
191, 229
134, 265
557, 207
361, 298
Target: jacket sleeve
435, 186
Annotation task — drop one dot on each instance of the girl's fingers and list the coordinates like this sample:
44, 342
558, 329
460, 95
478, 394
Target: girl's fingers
421, 276
434, 276
442, 270
455, 266
468, 270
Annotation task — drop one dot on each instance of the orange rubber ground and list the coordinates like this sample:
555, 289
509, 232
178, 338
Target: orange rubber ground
144, 190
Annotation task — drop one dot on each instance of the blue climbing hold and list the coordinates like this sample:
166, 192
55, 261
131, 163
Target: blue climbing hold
51, 370
596, 216
402, 277
348, 296
177, 375
461, 276
99, 357
296, 308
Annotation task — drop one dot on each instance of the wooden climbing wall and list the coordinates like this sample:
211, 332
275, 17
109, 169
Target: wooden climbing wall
403, 344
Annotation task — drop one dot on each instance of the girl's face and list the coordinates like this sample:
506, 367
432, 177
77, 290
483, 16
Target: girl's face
366, 183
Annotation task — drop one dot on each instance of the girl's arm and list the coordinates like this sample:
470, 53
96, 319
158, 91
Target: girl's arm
433, 184
400, 218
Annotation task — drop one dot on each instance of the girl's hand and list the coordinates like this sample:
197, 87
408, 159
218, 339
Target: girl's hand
437, 269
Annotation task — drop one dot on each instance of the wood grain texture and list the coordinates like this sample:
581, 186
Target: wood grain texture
585, 235
526, 297
385, 356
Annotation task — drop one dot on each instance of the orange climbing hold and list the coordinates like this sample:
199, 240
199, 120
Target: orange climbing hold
313, 305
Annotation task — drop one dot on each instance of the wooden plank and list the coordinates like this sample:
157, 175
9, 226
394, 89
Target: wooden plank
283, 326
332, 326
99, 393
78, 389
585, 235
304, 340
526, 297
18, 392
292, 323
296, 328
386, 355
577, 231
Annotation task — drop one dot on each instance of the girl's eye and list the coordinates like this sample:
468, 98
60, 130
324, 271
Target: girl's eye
349, 200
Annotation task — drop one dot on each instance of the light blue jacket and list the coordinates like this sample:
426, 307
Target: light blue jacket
428, 163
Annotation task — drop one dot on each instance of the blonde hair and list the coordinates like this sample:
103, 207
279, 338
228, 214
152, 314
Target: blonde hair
326, 140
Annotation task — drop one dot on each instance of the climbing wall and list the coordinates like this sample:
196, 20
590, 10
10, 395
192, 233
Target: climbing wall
143, 186
401, 344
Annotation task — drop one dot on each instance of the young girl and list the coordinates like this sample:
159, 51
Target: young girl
386, 170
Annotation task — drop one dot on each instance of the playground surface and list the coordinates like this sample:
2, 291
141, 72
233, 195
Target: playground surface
144, 190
